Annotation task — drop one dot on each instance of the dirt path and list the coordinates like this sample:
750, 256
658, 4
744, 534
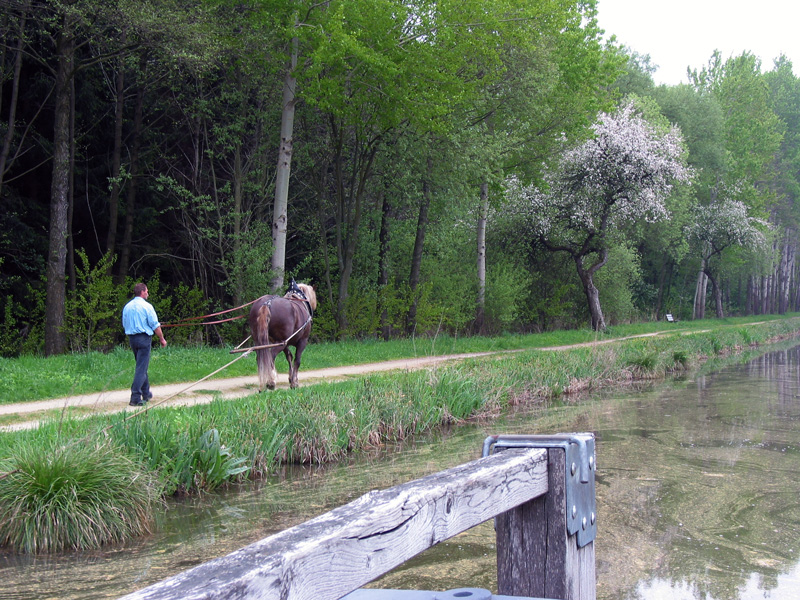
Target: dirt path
189, 394
26, 415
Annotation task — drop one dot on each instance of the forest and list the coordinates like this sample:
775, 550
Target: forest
434, 165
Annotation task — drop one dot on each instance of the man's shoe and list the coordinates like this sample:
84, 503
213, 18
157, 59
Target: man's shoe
136, 403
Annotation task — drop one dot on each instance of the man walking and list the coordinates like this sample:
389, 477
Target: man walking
141, 323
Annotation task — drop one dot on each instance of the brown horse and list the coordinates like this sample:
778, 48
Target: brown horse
284, 321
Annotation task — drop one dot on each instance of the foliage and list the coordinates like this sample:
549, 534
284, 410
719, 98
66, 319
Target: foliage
618, 283
622, 175
77, 496
173, 447
725, 224
92, 320
22, 329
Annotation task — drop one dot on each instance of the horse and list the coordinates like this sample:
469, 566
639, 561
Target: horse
281, 322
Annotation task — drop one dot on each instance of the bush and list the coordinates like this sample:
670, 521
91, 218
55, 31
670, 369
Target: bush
78, 497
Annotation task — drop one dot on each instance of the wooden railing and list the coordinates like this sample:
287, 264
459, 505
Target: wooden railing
340, 551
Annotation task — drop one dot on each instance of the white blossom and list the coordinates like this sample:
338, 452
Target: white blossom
623, 174
725, 223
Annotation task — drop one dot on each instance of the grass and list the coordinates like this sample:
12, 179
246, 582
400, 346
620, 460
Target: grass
76, 497
191, 449
30, 378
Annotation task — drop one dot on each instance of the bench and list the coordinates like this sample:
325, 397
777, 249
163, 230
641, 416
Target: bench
670, 318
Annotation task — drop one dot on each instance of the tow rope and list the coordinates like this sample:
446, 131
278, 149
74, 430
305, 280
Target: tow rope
184, 323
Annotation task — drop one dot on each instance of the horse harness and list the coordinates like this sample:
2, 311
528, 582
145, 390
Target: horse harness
294, 294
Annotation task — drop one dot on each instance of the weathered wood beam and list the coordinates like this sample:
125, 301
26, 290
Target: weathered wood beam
340, 551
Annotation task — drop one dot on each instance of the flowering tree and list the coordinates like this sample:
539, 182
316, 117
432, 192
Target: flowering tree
715, 228
601, 187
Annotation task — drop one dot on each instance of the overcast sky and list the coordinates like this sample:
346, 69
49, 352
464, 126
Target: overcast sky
683, 33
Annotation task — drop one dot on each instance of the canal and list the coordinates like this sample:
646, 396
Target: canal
698, 498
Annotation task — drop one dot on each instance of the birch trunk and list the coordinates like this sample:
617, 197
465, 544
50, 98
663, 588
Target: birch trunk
281, 206
700, 289
480, 313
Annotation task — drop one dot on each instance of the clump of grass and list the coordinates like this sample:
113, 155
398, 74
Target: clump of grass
644, 363
680, 358
74, 497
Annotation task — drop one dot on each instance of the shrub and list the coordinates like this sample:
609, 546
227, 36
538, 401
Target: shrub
77, 497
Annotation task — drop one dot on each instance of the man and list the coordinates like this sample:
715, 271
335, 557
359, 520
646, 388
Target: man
140, 322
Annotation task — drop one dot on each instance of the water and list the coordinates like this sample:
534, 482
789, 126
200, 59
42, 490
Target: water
697, 488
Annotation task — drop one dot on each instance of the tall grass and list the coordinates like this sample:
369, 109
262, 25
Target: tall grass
76, 497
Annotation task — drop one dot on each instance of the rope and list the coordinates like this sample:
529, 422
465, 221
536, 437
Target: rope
180, 322
105, 430
205, 323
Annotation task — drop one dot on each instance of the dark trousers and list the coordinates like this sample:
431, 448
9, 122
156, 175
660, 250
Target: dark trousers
141, 343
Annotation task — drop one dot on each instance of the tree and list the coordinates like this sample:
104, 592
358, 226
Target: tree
751, 138
599, 188
716, 228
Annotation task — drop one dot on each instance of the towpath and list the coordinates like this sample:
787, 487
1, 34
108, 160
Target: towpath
25, 415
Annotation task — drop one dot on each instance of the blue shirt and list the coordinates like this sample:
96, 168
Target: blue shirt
139, 316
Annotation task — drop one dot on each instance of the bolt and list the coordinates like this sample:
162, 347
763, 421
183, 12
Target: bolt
572, 469
591, 462
594, 518
574, 511
583, 523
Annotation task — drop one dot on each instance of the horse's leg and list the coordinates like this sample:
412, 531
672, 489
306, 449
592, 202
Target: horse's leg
272, 373
290, 359
293, 381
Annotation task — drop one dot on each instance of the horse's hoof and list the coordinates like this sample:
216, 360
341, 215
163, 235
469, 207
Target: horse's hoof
271, 386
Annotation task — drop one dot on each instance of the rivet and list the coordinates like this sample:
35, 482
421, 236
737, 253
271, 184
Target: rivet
594, 518
572, 469
591, 462
583, 523
574, 511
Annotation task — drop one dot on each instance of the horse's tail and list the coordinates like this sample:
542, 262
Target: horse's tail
262, 338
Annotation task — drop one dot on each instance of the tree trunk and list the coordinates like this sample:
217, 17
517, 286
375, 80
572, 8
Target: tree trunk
281, 206
238, 178
699, 311
59, 196
383, 266
12, 108
130, 199
73, 280
419, 243
592, 294
480, 313
716, 291
116, 156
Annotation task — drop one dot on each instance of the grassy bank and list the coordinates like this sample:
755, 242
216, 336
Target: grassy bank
29, 378
202, 447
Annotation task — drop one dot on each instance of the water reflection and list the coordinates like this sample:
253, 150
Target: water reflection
697, 498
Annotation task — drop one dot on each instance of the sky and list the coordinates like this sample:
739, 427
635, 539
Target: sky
684, 33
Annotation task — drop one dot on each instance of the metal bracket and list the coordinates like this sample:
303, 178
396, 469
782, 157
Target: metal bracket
579, 469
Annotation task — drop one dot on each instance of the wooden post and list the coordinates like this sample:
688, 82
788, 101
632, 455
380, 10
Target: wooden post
536, 556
